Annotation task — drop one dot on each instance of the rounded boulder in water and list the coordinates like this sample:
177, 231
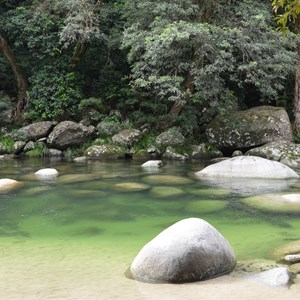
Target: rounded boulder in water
189, 250
47, 173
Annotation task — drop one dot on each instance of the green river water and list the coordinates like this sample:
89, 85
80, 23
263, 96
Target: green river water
87, 218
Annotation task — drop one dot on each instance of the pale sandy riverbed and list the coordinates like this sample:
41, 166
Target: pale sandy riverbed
31, 270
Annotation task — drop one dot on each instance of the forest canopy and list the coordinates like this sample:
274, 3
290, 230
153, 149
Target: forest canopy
157, 62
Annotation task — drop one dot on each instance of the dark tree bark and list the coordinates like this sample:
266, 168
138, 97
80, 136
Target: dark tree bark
19, 76
297, 83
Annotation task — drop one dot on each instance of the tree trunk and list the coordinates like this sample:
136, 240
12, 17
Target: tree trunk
297, 82
297, 93
19, 76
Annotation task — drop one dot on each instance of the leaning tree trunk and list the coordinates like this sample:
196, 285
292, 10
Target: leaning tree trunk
19, 76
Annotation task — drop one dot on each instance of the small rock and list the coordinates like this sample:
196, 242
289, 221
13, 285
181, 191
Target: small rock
277, 277
153, 164
80, 159
292, 258
18, 147
237, 153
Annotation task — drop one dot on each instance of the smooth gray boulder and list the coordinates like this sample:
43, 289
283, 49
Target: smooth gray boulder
35, 131
47, 173
277, 277
248, 167
250, 128
190, 250
68, 133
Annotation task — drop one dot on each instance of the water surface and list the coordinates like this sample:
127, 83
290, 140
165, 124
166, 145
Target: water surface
93, 219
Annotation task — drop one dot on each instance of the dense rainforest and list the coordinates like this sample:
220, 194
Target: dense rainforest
163, 63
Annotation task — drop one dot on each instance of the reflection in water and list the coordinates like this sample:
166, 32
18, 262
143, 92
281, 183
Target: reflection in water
250, 186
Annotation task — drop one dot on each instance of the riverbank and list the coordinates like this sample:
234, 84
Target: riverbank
32, 270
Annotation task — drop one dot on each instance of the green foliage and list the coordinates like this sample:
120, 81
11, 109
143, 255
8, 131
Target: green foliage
175, 57
54, 94
7, 142
286, 11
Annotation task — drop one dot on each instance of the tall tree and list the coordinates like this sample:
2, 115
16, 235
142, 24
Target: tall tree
288, 17
19, 76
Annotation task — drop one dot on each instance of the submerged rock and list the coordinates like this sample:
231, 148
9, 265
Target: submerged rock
205, 206
279, 203
167, 179
166, 191
190, 250
7, 184
131, 187
248, 167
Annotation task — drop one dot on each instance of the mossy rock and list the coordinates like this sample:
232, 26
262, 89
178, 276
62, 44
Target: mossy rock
130, 187
35, 191
167, 179
288, 249
211, 192
166, 192
279, 203
205, 206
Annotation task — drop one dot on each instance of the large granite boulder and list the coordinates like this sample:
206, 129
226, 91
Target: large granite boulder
127, 137
248, 167
253, 127
105, 152
68, 133
35, 131
190, 250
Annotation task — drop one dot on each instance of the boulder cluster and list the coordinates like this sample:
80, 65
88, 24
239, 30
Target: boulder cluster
263, 131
